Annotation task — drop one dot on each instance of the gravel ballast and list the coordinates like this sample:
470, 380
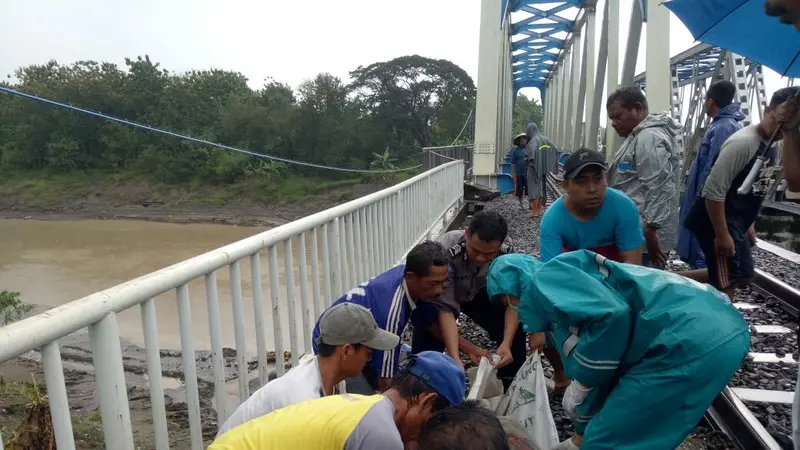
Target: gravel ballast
524, 232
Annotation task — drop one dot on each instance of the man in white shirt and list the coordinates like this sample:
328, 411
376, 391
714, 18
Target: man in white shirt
348, 334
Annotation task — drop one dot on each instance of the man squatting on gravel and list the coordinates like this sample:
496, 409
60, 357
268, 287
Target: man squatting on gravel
470, 251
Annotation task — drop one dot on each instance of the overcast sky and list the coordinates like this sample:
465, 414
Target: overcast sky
290, 41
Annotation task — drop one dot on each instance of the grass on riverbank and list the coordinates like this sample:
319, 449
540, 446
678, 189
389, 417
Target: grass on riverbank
81, 188
25, 420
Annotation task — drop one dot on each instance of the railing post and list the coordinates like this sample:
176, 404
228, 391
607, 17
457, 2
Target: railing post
218, 363
326, 265
189, 367
57, 396
274, 289
336, 258
304, 307
238, 331
110, 380
258, 312
318, 308
150, 325
288, 273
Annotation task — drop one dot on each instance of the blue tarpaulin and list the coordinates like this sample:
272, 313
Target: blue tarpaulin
742, 27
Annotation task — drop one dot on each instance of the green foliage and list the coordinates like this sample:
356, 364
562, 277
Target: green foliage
404, 104
11, 307
384, 161
526, 110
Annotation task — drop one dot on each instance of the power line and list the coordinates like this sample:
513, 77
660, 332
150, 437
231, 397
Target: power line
192, 139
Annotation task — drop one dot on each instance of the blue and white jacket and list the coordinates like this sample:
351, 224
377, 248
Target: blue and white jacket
386, 296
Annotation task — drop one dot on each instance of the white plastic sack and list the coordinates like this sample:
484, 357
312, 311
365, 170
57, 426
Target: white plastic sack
484, 384
527, 402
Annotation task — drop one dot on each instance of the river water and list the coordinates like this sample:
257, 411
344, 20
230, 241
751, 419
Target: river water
54, 262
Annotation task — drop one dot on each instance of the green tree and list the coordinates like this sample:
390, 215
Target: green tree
407, 98
526, 110
402, 104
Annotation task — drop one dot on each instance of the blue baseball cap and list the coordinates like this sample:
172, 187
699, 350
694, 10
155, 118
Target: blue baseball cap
441, 373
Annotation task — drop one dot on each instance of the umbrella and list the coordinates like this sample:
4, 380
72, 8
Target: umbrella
742, 27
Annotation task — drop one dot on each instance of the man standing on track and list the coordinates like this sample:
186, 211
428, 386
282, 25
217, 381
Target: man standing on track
542, 158
722, 220
727, 117
646, 169
518, 160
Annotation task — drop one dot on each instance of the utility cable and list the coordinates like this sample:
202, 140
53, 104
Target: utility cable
192, 139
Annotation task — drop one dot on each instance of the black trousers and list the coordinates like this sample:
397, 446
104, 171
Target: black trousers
491, 317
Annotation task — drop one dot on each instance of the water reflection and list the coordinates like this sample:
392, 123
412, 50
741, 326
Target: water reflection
781, 230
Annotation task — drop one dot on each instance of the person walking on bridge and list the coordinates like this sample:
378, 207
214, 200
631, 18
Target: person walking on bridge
518, 161
428, 383
348, 334
647, 350
542, 158
396, 297
726, 120
646, 169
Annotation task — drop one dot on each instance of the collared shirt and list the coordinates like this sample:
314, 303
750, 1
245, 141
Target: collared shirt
299, 384
387, 297
464, 280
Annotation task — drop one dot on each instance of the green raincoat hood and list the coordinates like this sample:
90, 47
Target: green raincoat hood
513, 275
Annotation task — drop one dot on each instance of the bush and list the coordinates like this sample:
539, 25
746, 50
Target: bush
11, 307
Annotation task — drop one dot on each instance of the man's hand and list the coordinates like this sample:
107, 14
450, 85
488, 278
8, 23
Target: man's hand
504, 352
536, 342
723, 245
751, 234
789, 114
384, 384
477, 353
657, 257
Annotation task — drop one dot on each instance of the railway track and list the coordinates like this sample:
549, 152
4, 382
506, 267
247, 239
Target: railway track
729, 413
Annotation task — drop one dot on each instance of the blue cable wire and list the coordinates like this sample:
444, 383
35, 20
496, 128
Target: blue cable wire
199, 141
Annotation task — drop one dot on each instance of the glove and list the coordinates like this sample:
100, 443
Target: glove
574, 395
566, 445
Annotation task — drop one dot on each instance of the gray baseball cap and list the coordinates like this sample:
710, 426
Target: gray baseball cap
348, 323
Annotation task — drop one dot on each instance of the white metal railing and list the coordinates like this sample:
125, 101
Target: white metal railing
357, 240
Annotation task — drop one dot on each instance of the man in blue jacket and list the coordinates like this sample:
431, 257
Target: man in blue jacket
402, 294
727, 117
647, 350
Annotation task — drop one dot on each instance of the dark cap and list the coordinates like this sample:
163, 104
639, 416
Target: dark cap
581, 159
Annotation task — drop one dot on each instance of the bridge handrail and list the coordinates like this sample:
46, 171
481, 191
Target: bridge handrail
390, 221
73, 316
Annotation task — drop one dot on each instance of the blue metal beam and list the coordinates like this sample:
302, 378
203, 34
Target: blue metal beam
538, 38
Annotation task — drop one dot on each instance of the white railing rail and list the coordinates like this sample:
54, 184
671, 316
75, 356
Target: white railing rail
353, 242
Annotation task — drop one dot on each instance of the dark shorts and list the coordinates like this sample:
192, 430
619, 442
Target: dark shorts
522, 186
734, 269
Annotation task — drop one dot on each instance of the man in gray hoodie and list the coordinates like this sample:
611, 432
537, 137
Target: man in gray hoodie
542, 158
646, 169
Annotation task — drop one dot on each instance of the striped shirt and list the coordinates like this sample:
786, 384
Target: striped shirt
387, 297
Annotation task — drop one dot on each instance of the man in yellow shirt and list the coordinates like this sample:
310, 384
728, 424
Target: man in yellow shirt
430, 382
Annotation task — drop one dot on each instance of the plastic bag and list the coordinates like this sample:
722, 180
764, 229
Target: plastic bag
484, 384
526, 401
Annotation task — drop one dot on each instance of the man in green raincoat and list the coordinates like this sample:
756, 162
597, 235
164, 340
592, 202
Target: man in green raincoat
648, 350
